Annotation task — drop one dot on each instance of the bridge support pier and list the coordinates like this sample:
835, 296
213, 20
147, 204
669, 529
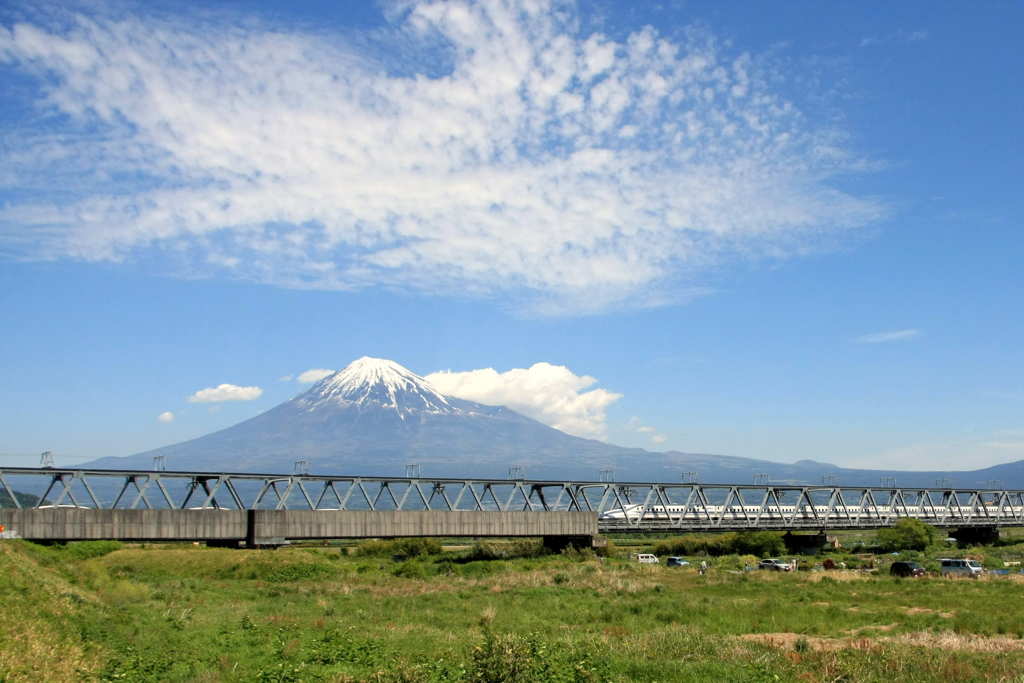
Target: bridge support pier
977, 535
805, 544
559, 543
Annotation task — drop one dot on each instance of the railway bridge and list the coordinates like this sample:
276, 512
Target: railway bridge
50, 504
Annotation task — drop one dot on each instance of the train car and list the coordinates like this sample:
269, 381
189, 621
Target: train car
650, 513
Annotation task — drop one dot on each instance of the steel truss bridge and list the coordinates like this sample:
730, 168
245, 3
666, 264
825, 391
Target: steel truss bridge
621, 507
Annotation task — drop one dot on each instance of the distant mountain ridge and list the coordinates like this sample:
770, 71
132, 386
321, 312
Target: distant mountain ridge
374, 417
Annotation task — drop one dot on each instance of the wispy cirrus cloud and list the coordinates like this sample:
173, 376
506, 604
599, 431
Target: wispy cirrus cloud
898, 36
225, 392
548, 393
885, 337
543, 163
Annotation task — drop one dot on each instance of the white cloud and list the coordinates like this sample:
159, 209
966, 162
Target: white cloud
310, 376
558, 167
225, 392
167, 416
883, 337
548, 393
647, 430
659, 438
287, 378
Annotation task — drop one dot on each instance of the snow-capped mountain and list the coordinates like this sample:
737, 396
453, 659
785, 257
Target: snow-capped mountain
375, 383
374, 417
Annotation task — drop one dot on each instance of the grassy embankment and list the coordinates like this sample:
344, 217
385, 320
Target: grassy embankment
312, 614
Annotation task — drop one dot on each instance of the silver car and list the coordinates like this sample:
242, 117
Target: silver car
961, 567
775, 565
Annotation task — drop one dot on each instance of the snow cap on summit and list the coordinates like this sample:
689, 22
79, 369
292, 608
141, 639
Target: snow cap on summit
376, 382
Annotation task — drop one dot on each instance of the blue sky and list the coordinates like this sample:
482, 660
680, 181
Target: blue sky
783, 231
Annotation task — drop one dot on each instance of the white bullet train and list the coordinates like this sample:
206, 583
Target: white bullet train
649, 513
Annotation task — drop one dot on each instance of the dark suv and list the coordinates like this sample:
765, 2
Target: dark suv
906, 569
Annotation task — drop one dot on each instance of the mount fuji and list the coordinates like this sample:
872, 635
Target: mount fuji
375, 417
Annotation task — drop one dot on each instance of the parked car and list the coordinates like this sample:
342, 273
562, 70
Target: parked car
906, 569
775, 565
647, 558
676, 562
961, 567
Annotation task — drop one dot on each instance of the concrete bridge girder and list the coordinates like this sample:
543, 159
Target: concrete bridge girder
273, 527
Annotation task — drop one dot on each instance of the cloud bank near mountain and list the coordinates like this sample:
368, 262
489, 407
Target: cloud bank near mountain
533, 160
550, 394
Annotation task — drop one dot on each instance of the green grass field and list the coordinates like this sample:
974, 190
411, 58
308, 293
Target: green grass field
102, 612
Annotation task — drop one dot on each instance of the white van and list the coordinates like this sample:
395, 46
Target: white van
961, 567
647, 558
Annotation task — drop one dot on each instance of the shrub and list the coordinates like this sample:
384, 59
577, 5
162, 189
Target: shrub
412, 569
691, 544
756, 543
520, 547
88, 549
412, 547
759, 543
501, 659
308, 571
908, 533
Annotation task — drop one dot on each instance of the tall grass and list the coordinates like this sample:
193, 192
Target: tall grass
183, 614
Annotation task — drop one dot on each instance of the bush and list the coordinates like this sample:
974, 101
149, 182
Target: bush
691, 544
412, 547
412, 569
759, 543
288, 573
85, 550
519, 548
756, 543
906, 534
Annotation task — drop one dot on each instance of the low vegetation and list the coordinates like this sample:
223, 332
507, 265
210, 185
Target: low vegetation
759, 543
412, 610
